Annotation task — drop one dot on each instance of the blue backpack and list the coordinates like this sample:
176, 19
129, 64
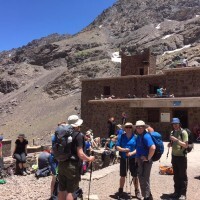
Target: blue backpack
157, 139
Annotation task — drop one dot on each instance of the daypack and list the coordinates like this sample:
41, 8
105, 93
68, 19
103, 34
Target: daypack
157, 139
62, 143
190, 140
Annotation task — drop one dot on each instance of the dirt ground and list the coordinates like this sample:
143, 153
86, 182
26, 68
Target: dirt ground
105, 182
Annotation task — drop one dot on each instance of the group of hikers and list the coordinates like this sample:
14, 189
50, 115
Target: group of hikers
136, 146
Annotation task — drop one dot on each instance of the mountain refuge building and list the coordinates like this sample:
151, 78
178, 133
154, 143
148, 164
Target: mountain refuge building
135, 92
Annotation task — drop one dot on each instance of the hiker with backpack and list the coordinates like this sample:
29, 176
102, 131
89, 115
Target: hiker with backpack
68, 147
145, 149
179, 143
126, 145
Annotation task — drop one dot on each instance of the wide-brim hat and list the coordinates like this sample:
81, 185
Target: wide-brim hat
128, 124
141, 123
74, 121
88, 132
119, 126
21, 135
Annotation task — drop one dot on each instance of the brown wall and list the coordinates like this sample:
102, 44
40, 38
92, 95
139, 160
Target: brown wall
180, 82
131, 64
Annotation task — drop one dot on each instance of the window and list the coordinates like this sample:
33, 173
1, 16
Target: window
141, 72
153, 89
106, 90
153, 115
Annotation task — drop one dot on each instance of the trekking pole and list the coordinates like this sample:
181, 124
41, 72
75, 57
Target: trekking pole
126, 174
168, 152
129, 175
90, 178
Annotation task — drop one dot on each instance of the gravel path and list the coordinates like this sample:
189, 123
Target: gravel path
105, 183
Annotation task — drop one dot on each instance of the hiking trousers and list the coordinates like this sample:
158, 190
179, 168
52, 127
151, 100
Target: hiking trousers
179, 164
144, 171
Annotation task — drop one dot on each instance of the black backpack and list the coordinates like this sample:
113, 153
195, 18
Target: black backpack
190, 140
62, 142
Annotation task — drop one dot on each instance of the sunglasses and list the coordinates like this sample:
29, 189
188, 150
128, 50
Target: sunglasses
128, 127
139, 127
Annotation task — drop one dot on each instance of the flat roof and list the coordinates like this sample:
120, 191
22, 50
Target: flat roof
178, 102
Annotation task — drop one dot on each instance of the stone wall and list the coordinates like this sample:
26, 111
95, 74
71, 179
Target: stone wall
7, 147
131, 65
182, 82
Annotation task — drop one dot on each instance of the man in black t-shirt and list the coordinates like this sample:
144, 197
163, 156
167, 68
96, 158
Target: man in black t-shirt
69, 171
20, 153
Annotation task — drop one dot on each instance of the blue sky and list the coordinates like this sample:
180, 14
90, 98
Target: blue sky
22, 21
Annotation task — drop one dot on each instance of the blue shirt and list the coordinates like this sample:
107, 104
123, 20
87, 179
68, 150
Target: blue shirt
125, 142
120, 132
144, 142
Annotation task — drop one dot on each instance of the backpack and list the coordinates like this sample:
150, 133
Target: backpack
190, 140
157, 139
62, 143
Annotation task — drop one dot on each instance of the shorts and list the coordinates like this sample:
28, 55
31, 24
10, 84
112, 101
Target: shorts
132, 167
69, 175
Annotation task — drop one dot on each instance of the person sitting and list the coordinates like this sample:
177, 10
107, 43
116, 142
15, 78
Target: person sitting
44, 165
20, 153
95, 142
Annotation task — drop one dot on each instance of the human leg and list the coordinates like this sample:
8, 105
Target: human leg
123, 172
175, 165
144, 170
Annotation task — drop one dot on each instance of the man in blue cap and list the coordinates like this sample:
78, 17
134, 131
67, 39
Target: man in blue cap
179, 142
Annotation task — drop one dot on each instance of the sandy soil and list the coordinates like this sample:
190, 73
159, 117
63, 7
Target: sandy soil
105, 183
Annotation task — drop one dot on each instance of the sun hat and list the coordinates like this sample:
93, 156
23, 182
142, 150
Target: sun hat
119, 126
21, 135
74, 120
88, 132
112, 136
141, 123
128, 124
175, 121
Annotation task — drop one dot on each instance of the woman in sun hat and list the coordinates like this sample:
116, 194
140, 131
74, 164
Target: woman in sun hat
126, 145
20, 153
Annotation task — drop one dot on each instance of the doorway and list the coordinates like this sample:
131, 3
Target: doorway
183, 116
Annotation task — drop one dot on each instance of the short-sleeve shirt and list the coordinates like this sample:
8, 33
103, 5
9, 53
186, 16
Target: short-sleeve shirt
77, 141
120, 132
177, 150
20, 146
126, 142
144, 142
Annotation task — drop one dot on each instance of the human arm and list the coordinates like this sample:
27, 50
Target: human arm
122, 149
82, 155
14, 150
129, 154
184, 143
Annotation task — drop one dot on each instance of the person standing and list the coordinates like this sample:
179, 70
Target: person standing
145, 149
20, 153
179, 142
111, 126
69, 171
126, 144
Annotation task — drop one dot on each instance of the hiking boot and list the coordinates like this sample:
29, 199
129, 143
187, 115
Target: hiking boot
24, 173
120, 192
174, 195
138, 194
27, 172
182, 197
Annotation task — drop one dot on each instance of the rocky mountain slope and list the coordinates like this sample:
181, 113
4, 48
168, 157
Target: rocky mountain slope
51, 68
